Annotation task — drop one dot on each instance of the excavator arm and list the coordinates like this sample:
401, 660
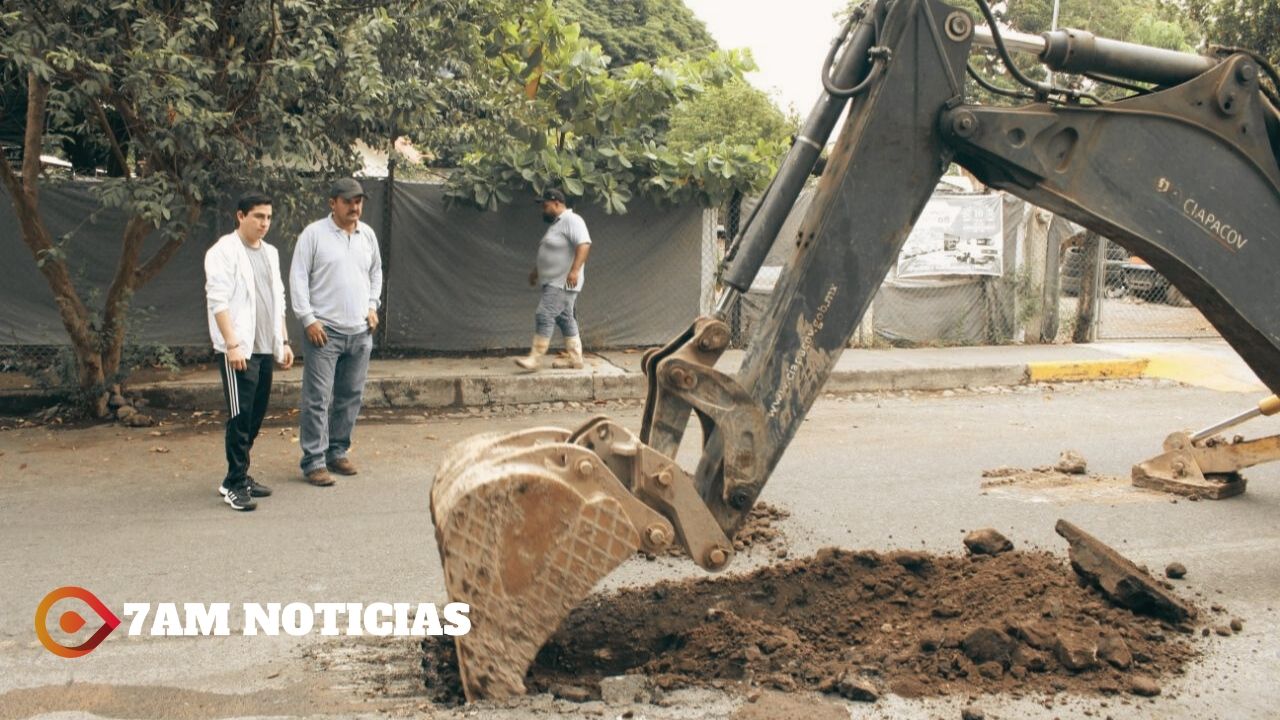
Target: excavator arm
1183, 174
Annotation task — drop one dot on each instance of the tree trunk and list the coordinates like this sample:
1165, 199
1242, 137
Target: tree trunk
26, 202
1087, 309
131, 276
1052, 294
116, 309
1035, 241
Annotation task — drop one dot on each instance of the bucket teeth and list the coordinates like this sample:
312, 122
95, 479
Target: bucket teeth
521, 545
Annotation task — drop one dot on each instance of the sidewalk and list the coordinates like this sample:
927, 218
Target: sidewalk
434, 383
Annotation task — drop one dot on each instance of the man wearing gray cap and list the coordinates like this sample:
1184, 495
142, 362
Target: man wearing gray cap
336, 285
561, 265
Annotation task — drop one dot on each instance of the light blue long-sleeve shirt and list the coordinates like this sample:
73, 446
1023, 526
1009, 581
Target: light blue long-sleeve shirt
336, 276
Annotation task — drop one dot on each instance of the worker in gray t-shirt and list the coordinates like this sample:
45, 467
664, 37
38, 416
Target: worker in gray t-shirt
560, 272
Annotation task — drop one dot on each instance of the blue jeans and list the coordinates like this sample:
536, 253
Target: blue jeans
333, 378
555, 308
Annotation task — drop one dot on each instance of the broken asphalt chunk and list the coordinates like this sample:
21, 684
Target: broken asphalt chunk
1121, 581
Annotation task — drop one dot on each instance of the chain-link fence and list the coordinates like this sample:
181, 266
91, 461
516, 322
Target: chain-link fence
1131, 298
983, 268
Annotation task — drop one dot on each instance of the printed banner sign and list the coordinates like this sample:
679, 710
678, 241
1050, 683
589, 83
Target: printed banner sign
956, 235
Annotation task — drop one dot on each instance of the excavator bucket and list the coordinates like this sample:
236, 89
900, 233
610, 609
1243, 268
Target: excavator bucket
526, 524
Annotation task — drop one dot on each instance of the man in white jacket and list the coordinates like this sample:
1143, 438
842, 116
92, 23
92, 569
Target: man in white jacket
246, 305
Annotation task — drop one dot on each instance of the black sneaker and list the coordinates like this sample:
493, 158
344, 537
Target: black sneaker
238, 497
256, 489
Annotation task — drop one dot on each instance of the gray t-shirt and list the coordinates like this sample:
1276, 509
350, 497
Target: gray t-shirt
557, 249
263, 332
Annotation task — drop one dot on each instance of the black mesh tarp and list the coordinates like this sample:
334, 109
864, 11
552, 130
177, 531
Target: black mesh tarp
456, 277
460, 276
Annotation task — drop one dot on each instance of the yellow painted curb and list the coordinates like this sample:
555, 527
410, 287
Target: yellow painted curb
1203, 372
1081, 370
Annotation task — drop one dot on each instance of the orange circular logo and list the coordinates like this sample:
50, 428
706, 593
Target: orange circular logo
71, 621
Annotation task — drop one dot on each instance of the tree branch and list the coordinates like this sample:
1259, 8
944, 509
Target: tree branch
111, 136
37, 95
136, 129
26, 207
165, 253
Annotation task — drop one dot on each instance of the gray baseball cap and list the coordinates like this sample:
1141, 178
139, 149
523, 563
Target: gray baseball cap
346, 188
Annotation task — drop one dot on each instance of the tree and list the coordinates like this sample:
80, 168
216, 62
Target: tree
631, 31
735, 114
442, 94
1250, 24
599, 133
191, 99
628, 31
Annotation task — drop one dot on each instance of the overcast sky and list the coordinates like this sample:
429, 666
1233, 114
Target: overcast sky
788, 38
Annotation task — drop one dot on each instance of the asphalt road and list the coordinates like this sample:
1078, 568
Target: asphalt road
134, 517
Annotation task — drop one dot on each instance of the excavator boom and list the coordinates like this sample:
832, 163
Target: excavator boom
1183, 174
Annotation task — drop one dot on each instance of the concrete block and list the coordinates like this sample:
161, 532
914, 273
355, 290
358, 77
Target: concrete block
925, 378
21, 401
417, 392
473, 391
198, 396
860, 381
619, 387
286, 394
982, 376
539, 388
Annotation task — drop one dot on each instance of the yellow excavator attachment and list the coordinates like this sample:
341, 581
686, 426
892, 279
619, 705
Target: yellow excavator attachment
1206, 465
526, 524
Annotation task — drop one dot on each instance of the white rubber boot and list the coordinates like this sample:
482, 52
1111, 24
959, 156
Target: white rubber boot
530, 361
574, 361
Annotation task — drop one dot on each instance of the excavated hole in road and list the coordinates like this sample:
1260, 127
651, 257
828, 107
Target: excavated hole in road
853, 623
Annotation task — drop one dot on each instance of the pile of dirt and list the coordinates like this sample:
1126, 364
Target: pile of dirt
858, 624
758, 532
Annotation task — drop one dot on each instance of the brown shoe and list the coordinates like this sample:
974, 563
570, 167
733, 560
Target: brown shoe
343, 466
320, 477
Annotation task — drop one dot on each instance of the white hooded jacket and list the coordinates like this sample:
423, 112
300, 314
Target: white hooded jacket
228, 285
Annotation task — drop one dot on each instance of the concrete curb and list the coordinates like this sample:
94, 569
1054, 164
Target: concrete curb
1081, 370
518, 389
589, 387
901, 379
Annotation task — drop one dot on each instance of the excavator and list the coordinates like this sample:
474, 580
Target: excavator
1182, 170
